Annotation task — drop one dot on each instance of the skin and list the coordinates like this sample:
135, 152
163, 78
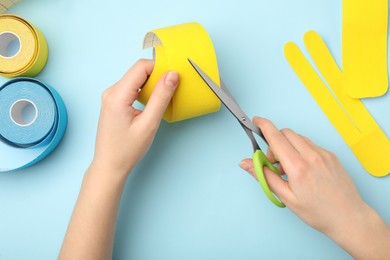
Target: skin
128, 132
319, 191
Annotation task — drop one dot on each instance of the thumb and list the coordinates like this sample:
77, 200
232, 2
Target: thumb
161, 96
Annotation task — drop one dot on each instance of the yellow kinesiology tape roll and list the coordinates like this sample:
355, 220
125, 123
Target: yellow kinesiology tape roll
172, 48
32, 50
349, 116
364, 47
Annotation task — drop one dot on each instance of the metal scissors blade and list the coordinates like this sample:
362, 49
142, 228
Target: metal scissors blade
228, 100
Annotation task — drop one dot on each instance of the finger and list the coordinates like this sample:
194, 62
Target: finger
278, 143
161, 96
128, 86
315, 147
299, 143
271, 156
274, 160
280, 168
275, 182
310, 142
277, 185
247, 165
137, 112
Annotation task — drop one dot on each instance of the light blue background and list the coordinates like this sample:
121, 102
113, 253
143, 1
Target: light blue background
188, 199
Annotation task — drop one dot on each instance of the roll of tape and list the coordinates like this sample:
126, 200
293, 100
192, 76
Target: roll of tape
172, 48
23, 48
33, 120
5, 4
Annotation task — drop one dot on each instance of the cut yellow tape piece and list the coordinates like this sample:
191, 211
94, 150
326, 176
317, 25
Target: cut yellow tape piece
358, 114
321, 94
349, 116
31, 52
172, 48
364, 48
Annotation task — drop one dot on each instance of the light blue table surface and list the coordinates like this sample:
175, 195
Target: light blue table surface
187, 199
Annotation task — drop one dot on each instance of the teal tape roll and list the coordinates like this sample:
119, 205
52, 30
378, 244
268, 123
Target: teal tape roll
33, 120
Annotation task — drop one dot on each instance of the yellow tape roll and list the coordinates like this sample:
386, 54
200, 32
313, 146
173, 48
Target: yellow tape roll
32, 52
172, 47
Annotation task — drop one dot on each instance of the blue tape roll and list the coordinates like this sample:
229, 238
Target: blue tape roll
33, 120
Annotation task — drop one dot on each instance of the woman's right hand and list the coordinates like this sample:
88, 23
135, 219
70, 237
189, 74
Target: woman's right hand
321, 193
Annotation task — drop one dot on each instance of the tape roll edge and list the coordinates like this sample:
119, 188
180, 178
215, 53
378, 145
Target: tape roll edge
38, 62
60, 127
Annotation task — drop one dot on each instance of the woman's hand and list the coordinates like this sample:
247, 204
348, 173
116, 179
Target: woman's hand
125, 134
321, 193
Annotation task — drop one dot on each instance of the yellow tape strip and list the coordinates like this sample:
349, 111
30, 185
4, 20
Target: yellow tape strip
364, 47
33, 50
349, 116
321, 93
172, 47
326, 64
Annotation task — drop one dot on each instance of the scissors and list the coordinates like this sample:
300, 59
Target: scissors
259, 159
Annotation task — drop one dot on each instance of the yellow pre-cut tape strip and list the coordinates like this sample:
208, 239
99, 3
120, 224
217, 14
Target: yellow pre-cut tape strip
349, 116
364, 47
172, 48
321, 94
33, 50
328, 67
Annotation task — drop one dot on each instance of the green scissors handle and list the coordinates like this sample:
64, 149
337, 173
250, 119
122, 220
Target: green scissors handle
259, 161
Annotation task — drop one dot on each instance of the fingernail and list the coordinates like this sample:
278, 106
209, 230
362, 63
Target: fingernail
172, 78
245, 166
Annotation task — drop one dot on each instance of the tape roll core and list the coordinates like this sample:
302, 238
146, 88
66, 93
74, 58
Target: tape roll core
23, 112
10, 45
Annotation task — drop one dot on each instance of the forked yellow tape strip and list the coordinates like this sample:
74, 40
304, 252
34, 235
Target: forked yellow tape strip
364, 48
358, 114
349, 116
172, 48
